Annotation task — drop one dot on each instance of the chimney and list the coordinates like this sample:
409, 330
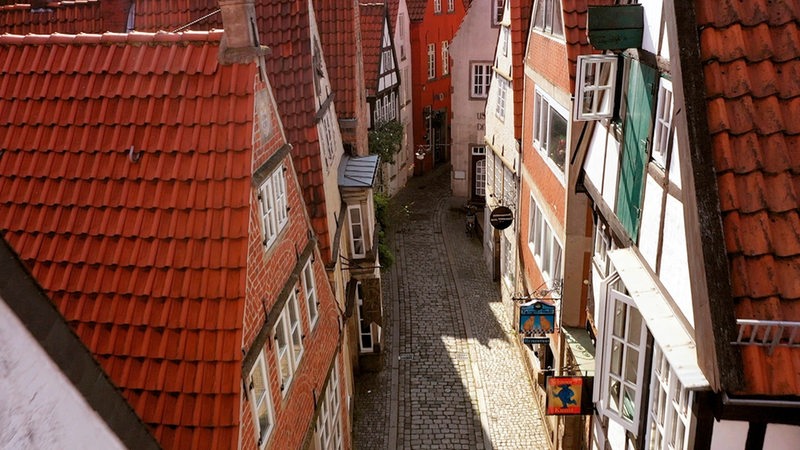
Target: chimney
240, 40
115, 15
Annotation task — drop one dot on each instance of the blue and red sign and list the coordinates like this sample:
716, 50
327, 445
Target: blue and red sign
537, 318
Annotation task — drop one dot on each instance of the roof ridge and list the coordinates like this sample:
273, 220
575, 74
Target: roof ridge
134, 37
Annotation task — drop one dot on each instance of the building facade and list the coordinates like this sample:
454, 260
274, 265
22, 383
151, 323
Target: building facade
694, 345
432, 25
471, 79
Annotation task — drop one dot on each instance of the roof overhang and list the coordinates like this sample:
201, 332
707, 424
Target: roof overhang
358, 171
666, 327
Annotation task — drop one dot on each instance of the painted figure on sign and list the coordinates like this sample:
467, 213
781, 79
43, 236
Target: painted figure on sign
565, 395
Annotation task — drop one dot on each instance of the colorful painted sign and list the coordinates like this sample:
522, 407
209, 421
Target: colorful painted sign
568, 395
537, 318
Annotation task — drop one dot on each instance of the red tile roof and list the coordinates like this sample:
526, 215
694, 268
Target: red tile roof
284, 26
339, 27
416, 9
394, 7
520, 23
372, 19
750, 53
153, 15
62, 17
125, 188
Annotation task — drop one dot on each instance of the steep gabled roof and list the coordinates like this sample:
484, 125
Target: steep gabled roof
285, 26
520, 22
372, 20
339, 30
125, 189
750, 55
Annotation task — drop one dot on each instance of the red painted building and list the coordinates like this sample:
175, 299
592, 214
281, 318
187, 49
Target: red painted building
148, 186
433, 23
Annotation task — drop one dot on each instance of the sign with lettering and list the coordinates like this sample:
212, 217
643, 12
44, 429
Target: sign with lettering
568, 395
501, 217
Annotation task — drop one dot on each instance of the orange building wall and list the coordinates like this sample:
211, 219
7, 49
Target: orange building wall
433, 28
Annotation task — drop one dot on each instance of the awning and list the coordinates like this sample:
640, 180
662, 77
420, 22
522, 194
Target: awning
358, 171
667, 330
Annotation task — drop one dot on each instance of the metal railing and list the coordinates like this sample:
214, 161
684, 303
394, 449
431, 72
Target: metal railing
768, 333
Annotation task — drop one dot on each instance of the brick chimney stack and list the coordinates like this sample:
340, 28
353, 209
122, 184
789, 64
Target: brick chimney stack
240, 41
115, 15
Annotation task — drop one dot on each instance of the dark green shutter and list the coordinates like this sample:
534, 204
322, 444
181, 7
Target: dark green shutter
636, 139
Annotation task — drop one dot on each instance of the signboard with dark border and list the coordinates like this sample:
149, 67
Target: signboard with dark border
569, 396
537, 317
501, 217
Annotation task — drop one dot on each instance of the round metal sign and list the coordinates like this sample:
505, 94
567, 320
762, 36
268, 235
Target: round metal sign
501, 217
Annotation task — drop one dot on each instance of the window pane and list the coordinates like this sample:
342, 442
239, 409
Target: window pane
631, 365
628, 405
616, 357
613, 396
557, 140
620, 310
634, 326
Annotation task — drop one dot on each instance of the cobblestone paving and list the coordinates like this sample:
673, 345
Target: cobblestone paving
452, 377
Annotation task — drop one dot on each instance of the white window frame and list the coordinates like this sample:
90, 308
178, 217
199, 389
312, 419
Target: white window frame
261, 403
273, 205
437, 6
329, 423
451, 6
612, 335
543, 107
602, 244
445, 58
502, 93
357, 235
480, 178
669, 416
662, 129
595, 84
431, 61
480, 79
288, 342
544, 245
365, 330
498, 9
310, 291
548, 24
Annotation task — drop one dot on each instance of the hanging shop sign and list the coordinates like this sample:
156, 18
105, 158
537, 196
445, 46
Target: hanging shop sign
569, 395
537, 318
535, 340
501, 217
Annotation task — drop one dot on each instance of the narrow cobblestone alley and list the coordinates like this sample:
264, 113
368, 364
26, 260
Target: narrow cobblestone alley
453, 377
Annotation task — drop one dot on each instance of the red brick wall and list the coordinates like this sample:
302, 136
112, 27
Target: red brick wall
268, 271
554, 53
